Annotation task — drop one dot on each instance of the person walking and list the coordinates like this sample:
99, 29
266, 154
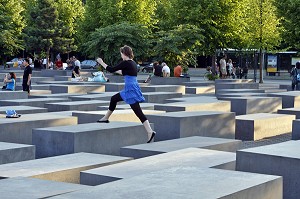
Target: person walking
131, 93
223, 67
26, 76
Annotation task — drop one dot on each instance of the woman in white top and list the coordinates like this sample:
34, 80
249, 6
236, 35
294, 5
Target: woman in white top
166, 70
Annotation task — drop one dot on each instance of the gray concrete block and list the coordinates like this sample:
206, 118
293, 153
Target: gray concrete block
201, 158
62, 78
290, 111
40, 92
144, 150
75, 105
204, 104
23, 109
255, 104
199, 83
52, 73
124, 106
225, 96
59, 95
28, 188
200, 90
169, 80
100, 96
115, 78
65, 168
76, 88
189, 183
224, 81
35, 102
295, 130
8, 95
19, 130
290, 99
277, 159
19, 87
241, 91
232, 85
114, 87
118, 115
174, 125
262, 125
192, 99
103, 138
160, 97
164, 88
11, 152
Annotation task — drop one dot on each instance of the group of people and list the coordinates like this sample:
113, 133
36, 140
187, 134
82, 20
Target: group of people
163, 70
228, 70
96, 76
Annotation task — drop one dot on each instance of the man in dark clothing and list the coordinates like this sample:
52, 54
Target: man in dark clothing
27, 76
157, 69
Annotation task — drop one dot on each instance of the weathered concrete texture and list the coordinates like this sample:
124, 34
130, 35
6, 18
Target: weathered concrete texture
281, 159
76, 105
115, 78
144, 150
296, 130
203, 104
123, 106
197, 123
28, 188
290, 99
100, 96
62, 78
192, 99
76, 88
224, 91
201, 158
23, 109
160, 97
233, 85
11, 152
8, 95
164, 88
19, 87
64, 168
19, 130
249, 105
118, 115
190, 183
290, 111
114, 87
169, 80
35, 102
200, 90
262, 125
103, 138
40, 92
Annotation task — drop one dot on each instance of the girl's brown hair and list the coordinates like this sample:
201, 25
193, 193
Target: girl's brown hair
13, 75
126, 50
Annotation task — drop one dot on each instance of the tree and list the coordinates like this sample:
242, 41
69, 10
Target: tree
102, 13
179, 45
288, 13
106, 42
11, 26
51, 25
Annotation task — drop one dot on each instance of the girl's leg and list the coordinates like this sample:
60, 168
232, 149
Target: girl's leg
112, 106
139, 113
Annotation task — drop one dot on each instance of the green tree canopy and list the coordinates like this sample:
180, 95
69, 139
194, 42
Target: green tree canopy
11, 26
106, 42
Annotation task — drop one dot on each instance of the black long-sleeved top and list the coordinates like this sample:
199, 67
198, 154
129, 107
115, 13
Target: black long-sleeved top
128, 67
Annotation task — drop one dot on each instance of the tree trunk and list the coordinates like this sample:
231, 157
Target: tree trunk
47, 58
261, 64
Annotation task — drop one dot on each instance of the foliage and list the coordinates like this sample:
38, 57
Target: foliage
179, 45
106, 42
102, 13
288, 12
212, 77
11, 26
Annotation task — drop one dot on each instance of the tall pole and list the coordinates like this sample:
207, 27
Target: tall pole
261, 64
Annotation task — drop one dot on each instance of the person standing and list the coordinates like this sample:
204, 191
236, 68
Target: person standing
59, 64
295, 74
165, 70
230, 68
27, 76
223, 67
131, 93
157, 69
76, 62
